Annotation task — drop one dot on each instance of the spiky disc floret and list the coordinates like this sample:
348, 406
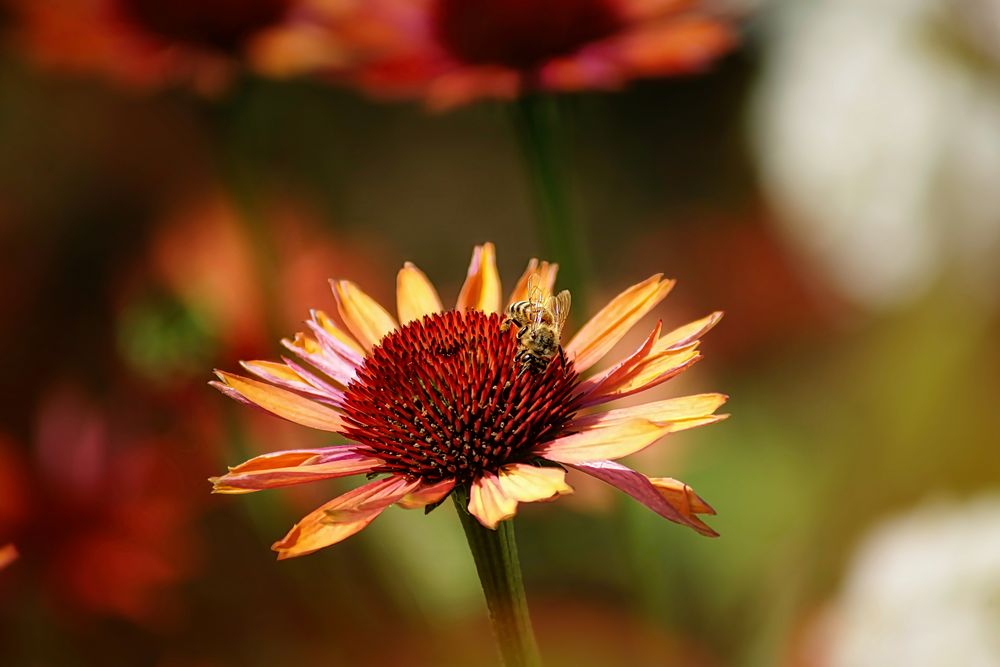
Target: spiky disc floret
443, 398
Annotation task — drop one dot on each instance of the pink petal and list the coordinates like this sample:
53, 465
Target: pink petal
334, 393
342, 517
642, 489
335, 339
333, 366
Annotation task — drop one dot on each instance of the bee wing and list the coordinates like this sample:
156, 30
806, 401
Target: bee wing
534, 289
559, 304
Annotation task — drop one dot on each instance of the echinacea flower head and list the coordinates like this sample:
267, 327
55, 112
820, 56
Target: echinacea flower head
440, 400
455, 51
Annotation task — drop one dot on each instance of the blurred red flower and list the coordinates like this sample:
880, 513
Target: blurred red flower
454, 51
101, 515
148, 43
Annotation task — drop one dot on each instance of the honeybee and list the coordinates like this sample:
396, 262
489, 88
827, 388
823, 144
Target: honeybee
539, 321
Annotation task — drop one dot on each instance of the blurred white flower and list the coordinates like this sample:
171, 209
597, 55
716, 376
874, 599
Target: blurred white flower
877, 129
922, 591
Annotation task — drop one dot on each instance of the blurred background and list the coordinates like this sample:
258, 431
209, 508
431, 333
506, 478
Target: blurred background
830, 183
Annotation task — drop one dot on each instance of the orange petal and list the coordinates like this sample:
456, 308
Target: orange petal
427, 495
604, 443
481, 290
546, 273
8, 554
688, 333
527, 483
488, 501
289, 457
659, 368
365, 318
608, 326
279, 402
652, 371
341, 517
616, 374
284, 375
415, 295
683, 413
681, 496
293, 467
677, 45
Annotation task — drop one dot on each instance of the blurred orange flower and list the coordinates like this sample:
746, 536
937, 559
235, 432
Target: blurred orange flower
148, 43
455, 51
8, 554
439, 401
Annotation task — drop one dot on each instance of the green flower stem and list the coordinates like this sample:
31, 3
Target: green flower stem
495, 554
537, 122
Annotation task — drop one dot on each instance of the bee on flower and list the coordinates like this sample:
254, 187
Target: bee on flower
436, 402
539, 321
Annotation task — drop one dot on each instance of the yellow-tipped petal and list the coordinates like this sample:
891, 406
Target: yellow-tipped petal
275, 370
341, 517
527, 483
283, 403
546, 273
658, 368
365, 318
415, 295
427, 495
666, 497
688, 333
489, 503
482, 289
606, 443
599, 384
291, 467
608, 326
682, 412
283, 375
681, 496
328, 325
